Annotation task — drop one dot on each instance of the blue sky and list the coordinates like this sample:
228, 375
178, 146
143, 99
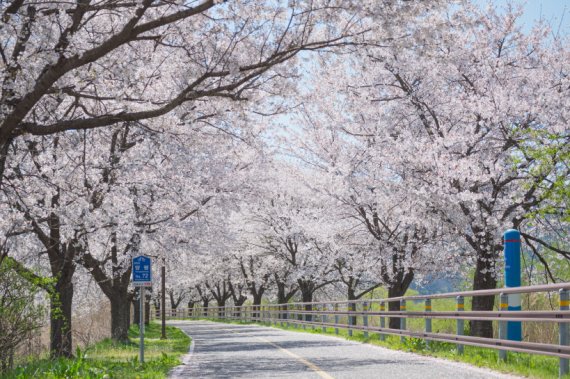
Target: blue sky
555, 12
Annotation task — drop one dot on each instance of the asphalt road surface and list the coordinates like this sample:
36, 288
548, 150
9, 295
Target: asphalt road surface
250, 351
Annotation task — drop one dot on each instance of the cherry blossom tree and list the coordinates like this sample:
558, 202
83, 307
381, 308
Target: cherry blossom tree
86, 65
447, 111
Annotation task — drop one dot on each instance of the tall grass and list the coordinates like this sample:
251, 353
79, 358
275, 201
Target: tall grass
108, 359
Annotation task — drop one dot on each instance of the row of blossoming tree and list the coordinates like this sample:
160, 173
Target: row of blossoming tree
275, 149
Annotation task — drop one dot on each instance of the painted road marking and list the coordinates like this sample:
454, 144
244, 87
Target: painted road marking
319, 371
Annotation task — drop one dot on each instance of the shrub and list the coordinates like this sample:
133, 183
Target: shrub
20, 314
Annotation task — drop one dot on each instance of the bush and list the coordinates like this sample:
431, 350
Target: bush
20, 315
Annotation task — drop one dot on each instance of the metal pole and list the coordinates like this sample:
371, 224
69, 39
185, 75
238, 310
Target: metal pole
163, 300
351, 319
382, 320
427, 308
141, 324
305, 316
325, 317
275, 313
460, 323
336, 319
563, 331
365, 318
512, 248
402, 319
504, 301
315, 316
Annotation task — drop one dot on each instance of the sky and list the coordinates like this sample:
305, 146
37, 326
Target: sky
555, 12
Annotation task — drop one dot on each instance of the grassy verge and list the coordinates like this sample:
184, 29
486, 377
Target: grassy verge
108, 359
528, 365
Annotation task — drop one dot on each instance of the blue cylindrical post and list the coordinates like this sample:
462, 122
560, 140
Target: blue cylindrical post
512, 243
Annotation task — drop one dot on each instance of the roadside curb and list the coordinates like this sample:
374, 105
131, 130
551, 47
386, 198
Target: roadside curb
178, 371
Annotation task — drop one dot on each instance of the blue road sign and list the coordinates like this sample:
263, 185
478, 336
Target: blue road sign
142, 273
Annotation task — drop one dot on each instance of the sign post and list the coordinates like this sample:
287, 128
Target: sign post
512, 241
142, 277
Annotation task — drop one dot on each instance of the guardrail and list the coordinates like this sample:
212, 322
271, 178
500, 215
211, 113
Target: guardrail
370, 316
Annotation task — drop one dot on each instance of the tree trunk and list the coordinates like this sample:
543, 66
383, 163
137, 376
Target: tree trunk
221, 304
396, 289
60, 316
191, 308
205, 304
283, 298
120, 312
307, 289
238, 303
307, 297
483, 279
256, 304
4, 152
130, 297
351, 306
116, 287
137, 311
146, 310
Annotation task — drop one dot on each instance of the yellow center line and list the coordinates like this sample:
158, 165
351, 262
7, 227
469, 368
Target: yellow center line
319, 371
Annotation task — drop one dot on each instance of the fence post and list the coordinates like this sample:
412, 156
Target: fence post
427, 309
276, 314
382, 320
305, 316
365, 318
351, 319
336, 318
504, 305
460, 323
314, 317
402, 319
563, 330
325, 317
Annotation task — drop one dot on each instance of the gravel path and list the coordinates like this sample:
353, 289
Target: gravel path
250, 351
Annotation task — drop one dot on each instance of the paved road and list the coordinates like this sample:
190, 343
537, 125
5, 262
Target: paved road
246, 351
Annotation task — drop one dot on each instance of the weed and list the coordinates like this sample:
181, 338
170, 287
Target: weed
109, 359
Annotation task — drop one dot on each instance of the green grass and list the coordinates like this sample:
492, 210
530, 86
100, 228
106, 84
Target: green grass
108, 359
528, 365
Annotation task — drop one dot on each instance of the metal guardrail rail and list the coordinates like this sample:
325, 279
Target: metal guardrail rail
370, 316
